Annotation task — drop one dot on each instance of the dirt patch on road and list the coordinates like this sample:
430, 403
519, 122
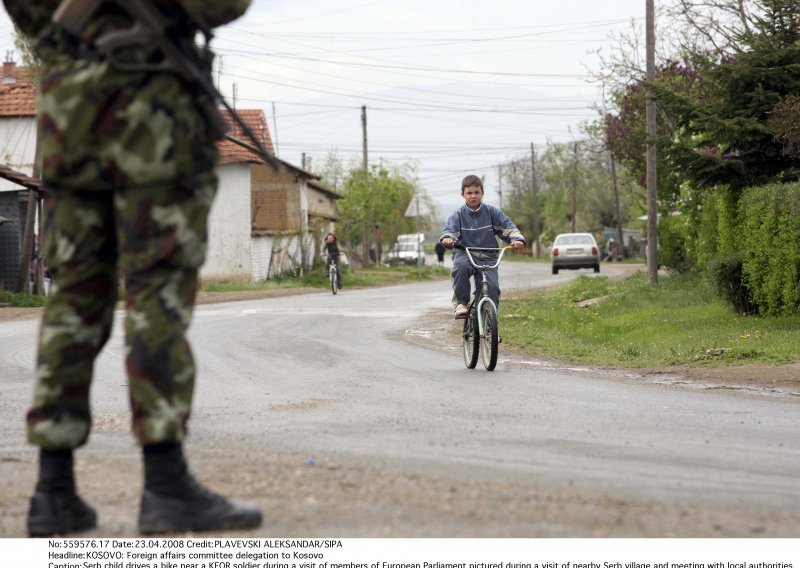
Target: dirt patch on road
346, 496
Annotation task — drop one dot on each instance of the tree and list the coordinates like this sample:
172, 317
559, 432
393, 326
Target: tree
332, 171
723, 135
784, 123
557, 175
711, 26
378, 196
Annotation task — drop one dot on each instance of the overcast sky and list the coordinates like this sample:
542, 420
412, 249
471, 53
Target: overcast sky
455, 87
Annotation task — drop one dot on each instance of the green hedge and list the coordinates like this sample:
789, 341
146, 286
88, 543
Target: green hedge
771, 243
673, 244
726, 275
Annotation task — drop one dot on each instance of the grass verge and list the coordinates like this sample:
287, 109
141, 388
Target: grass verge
318, 278
18, 300
633, 324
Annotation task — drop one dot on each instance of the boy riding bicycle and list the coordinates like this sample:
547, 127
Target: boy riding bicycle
476, 224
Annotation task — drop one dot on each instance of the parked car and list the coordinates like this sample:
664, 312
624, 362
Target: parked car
407, 250
405, 253
575, 250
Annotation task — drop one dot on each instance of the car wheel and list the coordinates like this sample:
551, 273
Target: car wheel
596, 268
555, 270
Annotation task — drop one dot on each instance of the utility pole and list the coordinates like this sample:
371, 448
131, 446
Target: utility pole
364, 135
365, 165
303, 160
535, 189
650, 115
275, 124
500, 183
574, 185
616, 200
27, 243
27, 235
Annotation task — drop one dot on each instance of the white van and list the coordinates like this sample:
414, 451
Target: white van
407, 250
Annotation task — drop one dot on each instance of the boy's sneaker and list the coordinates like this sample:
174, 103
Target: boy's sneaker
460, 312
60, 513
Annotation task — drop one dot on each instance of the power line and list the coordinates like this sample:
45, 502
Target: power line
420, 90
417, 105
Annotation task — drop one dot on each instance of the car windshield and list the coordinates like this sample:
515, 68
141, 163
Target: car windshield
404, 247
574, 240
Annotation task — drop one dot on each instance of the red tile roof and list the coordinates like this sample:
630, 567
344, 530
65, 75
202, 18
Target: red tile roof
255, 120
230, 152
12, 74
17, 93
18, 100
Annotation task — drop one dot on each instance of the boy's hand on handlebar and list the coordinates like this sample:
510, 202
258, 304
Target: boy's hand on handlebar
517, 244
448, 242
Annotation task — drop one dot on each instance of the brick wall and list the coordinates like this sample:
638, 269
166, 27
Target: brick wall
275, 201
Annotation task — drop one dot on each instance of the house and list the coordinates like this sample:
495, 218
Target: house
17, 122
264, 224
14, 204
18, 189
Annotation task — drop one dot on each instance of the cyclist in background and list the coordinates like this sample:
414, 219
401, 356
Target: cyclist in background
330, 250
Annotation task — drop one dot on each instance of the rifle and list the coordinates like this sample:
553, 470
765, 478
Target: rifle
181, 56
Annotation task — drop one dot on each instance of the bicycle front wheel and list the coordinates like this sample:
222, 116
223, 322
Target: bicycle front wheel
471, 339
490, 337
333, 280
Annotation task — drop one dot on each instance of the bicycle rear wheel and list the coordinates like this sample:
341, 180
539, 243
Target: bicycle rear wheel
333, 276
490, 336
471, 339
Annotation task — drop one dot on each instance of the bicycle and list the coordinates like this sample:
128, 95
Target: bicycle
481, 329
333, 274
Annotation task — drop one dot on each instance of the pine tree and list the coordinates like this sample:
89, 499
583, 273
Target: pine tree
724, 135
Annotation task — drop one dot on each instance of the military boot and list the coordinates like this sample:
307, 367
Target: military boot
173, 501
56, 507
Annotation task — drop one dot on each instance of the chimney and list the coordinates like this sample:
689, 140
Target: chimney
9, 76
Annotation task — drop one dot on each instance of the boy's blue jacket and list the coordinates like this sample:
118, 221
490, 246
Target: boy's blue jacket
479, 228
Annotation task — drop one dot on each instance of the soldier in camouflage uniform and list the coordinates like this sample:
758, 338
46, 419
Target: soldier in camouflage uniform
128, 158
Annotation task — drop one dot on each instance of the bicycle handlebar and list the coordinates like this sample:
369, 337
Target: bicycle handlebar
484, 266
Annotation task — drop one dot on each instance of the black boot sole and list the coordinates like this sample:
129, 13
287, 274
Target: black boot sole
55, 514
160, 514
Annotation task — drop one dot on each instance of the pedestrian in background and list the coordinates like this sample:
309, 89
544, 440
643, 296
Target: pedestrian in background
439, 248
129, 159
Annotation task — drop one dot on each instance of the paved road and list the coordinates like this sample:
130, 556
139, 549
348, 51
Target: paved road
334, 413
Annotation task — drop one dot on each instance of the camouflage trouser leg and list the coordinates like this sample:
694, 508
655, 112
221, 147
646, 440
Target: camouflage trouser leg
160, 242
81, 250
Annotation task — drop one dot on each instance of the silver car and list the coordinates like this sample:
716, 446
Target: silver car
575, 250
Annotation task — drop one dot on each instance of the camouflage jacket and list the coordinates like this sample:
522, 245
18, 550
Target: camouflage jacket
33, 16
102, 128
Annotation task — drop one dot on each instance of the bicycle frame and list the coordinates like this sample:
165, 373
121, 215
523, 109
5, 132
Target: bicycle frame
333, 273
484, 268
